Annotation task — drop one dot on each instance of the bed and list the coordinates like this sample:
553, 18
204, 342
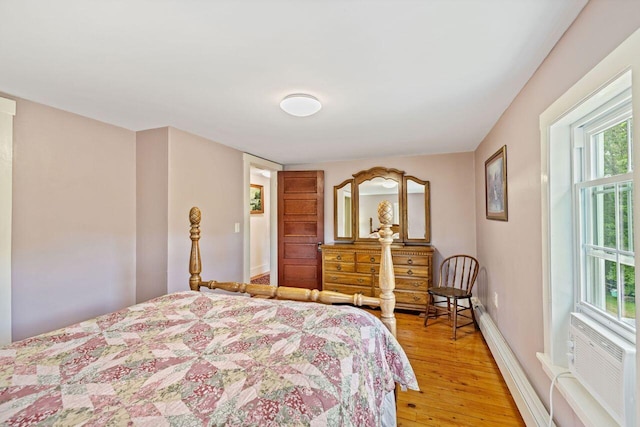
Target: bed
206, 358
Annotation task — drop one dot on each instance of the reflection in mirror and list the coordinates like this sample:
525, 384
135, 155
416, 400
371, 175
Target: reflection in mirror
416, 210
370, 194
343, 208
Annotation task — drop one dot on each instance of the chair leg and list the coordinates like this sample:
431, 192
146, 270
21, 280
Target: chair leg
473, 316
455, 318
426, 314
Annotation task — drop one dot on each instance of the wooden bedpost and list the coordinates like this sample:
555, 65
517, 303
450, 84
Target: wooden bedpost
387, 278
195, 266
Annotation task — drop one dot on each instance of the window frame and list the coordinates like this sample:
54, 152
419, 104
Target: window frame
609, 114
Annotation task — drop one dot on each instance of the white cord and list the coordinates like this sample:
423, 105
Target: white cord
553, 383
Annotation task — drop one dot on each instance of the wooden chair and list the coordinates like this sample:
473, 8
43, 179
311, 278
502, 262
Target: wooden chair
457, 276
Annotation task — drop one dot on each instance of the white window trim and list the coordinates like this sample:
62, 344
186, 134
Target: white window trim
557, 302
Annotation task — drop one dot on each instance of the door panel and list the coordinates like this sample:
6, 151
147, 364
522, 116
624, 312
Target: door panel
300, 228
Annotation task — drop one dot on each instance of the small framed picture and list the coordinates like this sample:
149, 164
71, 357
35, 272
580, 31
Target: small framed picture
495, 175
256, 199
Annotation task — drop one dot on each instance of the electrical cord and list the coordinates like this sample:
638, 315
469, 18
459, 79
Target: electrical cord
553, 383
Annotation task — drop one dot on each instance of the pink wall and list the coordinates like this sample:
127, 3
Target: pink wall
152, 193
452, 179
510, 252
74, 203
208, 175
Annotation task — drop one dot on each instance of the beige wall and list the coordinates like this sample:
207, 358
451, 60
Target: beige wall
208, 175
152, 193
510, 252
74, 202
453, 208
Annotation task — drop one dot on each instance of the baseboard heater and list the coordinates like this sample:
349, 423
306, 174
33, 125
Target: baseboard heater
531, 409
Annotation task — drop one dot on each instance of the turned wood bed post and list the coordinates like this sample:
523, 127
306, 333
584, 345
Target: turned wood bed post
195, 265
387, 278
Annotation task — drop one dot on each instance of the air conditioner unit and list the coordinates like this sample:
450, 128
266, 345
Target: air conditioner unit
605, 365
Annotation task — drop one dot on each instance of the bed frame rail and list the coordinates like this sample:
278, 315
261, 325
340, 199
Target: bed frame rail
386, 301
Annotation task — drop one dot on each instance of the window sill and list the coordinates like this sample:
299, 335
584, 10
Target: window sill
590, 412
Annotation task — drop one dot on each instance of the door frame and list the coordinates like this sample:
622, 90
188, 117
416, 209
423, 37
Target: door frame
7, 112
248, 161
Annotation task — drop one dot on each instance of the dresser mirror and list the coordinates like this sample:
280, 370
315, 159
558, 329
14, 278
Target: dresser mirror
416, 214
343, 211
356, 202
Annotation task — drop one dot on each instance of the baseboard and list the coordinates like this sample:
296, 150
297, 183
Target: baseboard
259, 270
531, 409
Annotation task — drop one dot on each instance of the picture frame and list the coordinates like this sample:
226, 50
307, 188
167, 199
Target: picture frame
256, 199
495, 180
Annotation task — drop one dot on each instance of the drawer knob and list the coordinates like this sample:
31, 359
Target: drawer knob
339, 267
416, 298
339, 257
360, 280
372, 259
410, 261
334, 278
410, 273
373, 270
416, 284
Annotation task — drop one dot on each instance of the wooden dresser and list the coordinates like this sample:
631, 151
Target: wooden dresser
353, 268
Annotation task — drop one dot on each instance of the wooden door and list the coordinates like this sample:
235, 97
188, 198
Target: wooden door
300, 228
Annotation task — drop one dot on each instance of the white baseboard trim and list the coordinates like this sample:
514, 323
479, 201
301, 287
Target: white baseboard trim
529, 404
258, 270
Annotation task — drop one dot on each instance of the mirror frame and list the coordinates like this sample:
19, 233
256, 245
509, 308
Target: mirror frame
427, 211
386, 173
337, 188
366, 175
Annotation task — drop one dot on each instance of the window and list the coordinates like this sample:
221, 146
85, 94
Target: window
603, 213
588, 250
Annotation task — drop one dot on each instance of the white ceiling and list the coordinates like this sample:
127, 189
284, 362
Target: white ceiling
395, 77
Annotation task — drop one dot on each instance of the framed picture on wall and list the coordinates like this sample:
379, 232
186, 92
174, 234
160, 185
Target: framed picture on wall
495, 179
256, 199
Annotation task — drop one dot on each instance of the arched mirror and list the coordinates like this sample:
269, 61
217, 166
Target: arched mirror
370, 194
343, 211
356, 200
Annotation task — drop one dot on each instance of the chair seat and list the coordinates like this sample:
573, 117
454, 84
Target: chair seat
448, 292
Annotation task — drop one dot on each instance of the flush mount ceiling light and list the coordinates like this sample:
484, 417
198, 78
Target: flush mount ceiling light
300, 105
389, 184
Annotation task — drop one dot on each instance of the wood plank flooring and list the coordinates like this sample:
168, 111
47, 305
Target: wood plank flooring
460, 383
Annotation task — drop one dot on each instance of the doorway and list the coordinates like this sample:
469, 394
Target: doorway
260, 250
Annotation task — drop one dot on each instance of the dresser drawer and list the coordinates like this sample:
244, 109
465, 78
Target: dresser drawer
347, 279
410, 260
340, 256
347, 267
408, 297
350, 290
371, 258
410, 270
368, 268
413, 284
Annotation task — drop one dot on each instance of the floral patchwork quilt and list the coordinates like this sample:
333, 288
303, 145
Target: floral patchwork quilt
196, 358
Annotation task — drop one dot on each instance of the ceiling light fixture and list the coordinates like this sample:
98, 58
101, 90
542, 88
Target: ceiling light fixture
389, 184
300, 105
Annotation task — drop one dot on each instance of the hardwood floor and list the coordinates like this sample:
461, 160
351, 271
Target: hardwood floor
460, 383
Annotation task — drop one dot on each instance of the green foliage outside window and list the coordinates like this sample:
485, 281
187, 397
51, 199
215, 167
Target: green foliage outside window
616, 161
